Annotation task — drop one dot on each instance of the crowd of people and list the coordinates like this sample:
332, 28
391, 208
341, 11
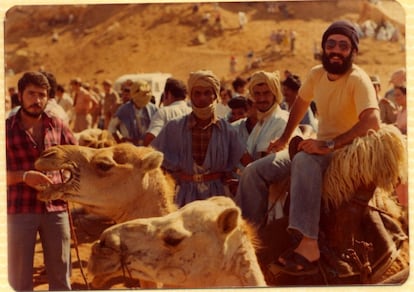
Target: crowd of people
216, 139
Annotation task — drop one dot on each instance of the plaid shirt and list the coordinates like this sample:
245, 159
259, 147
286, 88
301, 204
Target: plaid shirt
21, 153
200, 138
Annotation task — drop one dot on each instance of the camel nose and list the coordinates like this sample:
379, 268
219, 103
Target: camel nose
48, 153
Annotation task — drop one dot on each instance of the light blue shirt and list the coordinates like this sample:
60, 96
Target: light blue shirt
264, 132
165, 114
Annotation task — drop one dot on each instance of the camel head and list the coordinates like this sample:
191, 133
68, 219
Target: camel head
203, 244
122, 182
95, 138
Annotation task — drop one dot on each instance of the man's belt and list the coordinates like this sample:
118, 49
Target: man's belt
199, 178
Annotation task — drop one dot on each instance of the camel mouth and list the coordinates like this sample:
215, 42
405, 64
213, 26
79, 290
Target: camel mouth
66, 175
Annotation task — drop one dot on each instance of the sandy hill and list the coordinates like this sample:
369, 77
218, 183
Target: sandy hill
96, 42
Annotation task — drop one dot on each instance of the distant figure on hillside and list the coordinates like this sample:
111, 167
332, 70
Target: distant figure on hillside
242, 20
292, 41
233, 64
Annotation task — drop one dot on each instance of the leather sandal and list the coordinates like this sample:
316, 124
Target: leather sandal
292, 262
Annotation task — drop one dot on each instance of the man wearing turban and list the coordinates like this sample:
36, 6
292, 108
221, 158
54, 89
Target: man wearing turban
200, 151
348, 109
133, 118
265, 91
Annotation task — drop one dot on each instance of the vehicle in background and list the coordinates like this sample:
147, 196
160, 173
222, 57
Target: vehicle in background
155, 80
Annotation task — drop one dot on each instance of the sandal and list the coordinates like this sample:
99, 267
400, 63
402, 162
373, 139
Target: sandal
292, 261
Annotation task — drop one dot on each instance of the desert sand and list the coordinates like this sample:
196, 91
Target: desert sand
97, 42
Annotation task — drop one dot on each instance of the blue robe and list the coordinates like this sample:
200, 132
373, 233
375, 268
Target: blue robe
223, 154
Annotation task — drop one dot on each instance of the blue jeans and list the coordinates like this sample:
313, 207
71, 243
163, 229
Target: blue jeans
252, 193
54, 233
306, 171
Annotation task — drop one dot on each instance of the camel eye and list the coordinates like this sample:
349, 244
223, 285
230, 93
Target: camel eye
104, 166
172, 241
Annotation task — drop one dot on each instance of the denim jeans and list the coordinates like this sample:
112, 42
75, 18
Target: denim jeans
252, 193
306, 184
54, 233
306, 171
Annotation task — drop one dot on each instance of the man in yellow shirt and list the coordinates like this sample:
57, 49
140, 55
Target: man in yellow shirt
347, 109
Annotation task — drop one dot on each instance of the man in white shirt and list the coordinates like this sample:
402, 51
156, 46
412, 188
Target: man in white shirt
175, 106
265, 90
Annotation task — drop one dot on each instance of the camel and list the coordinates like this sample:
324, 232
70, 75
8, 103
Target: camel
204, 244
122, 182
110, 181
95, 138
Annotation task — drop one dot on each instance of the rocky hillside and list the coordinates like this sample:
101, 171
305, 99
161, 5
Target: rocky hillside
96, 42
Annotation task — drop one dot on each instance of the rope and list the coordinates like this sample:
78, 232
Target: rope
75, 239
75, 242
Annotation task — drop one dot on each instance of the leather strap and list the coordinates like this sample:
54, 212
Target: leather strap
199, 178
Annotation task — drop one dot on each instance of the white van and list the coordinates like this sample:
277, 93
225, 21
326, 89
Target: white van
155, 80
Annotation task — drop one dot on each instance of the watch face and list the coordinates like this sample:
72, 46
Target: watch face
330, 144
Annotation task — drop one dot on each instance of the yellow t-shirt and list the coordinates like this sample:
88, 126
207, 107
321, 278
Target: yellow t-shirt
340, 102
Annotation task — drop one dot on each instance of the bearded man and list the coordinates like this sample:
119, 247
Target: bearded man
265, 91
348, 109
28, 133
200, 150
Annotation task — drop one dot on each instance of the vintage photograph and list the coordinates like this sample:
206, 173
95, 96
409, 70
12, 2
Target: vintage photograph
206, 145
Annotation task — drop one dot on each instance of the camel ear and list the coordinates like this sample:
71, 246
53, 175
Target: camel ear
152, 160
227, 220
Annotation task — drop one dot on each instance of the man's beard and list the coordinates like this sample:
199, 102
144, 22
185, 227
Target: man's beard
337, 68
33, 114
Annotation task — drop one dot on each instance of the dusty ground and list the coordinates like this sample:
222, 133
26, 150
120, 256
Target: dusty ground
106, 41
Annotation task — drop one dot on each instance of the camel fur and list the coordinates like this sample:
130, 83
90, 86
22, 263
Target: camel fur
95, 138
122, 182
379, 158
204, 244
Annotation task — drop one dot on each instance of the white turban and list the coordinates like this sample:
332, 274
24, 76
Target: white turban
272, 80
140, 93
204, 78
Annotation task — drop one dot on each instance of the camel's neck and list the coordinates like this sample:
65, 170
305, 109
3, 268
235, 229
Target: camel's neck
241, 262
153, 200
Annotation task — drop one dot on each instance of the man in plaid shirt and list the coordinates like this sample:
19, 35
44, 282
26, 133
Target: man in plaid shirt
28, 133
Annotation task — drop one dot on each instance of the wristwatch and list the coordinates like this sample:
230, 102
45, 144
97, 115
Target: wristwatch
330, 144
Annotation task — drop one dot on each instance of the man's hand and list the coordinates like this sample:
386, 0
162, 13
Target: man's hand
313, 146
36, 180
277, 145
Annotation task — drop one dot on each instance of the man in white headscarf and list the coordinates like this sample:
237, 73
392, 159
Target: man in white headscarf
132, 118
200, 151
265, 91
